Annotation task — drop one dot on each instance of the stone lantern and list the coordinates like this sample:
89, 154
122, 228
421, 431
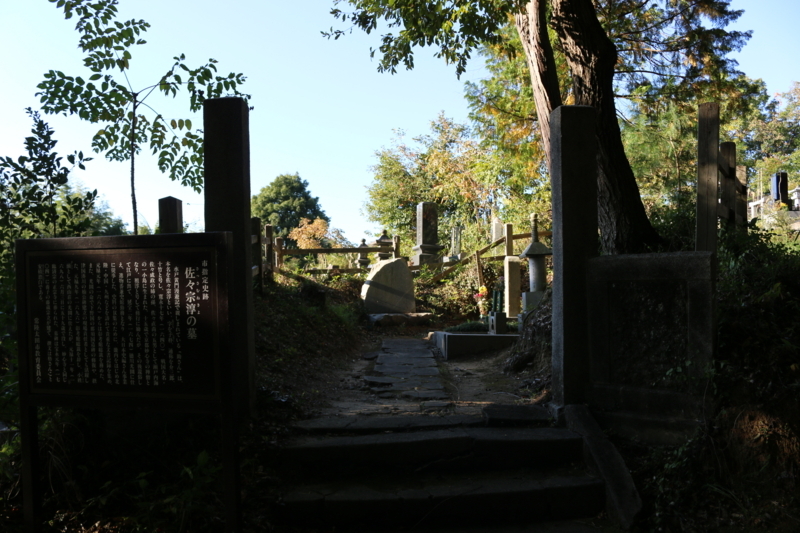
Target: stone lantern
384, 241
363, 260
535, 254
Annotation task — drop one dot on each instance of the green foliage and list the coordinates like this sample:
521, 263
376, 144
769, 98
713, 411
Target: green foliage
449, 167
772, 138
100, 98
456, 27
672, 49
31, 207
284, 203
453, 296
739, 460
35, 201
503, 114
30, 192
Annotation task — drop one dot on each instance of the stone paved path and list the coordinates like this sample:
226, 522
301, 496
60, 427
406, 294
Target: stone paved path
406, 368
403, 377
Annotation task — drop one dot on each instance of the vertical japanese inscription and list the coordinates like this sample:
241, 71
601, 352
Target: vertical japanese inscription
127, 321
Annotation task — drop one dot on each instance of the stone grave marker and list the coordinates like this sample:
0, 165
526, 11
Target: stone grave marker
389, 288
428, 247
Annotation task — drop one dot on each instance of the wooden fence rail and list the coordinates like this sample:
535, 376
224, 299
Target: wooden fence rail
476, 255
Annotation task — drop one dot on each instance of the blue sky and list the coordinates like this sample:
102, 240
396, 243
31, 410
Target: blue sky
321, 108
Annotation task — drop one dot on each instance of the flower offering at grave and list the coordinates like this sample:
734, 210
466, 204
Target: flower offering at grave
482, 299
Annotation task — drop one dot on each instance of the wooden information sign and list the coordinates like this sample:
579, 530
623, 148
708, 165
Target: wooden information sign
124, 322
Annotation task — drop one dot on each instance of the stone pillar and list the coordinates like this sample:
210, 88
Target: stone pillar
227, 208
512, 288
497, 228
455, 243
170, 215
574, 183
428, 247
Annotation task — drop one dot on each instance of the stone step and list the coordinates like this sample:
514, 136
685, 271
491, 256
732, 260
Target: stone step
517, 416
379, 424
431, 450
466, 500
493, 416
561, 526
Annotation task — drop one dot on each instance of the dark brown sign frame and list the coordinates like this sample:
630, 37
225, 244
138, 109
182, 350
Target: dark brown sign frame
97, 320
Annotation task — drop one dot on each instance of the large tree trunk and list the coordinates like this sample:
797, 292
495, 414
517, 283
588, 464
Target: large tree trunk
591, 56
532, 28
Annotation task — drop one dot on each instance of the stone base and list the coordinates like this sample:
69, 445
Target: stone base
455, 345
497, 323
531, 300
396, 319
424, 259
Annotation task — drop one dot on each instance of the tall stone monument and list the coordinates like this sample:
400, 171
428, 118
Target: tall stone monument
428, 247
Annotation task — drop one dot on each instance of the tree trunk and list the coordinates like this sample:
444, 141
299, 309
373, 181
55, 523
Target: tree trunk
591, 56
532, 28
133, 168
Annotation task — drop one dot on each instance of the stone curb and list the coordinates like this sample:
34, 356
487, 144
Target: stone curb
623, 502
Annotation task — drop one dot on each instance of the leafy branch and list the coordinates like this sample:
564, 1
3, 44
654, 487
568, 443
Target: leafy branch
117, 107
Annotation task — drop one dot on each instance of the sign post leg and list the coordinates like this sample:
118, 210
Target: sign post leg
230, 470
31, 487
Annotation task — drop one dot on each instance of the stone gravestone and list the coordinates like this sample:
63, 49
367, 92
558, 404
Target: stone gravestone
455, 243
389, 288
497, 228
428, 246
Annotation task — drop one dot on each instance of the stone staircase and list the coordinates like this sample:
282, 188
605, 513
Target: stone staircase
506, 469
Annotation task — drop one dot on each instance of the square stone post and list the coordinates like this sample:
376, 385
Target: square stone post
428, 247
573, 173
512, 286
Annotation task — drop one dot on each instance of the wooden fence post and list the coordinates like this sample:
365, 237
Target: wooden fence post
509, 229
279, 252
741, 198
727, 164
396, 247
170, 215
227, 208
479, 268
269, 259
258, 251
707, 172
